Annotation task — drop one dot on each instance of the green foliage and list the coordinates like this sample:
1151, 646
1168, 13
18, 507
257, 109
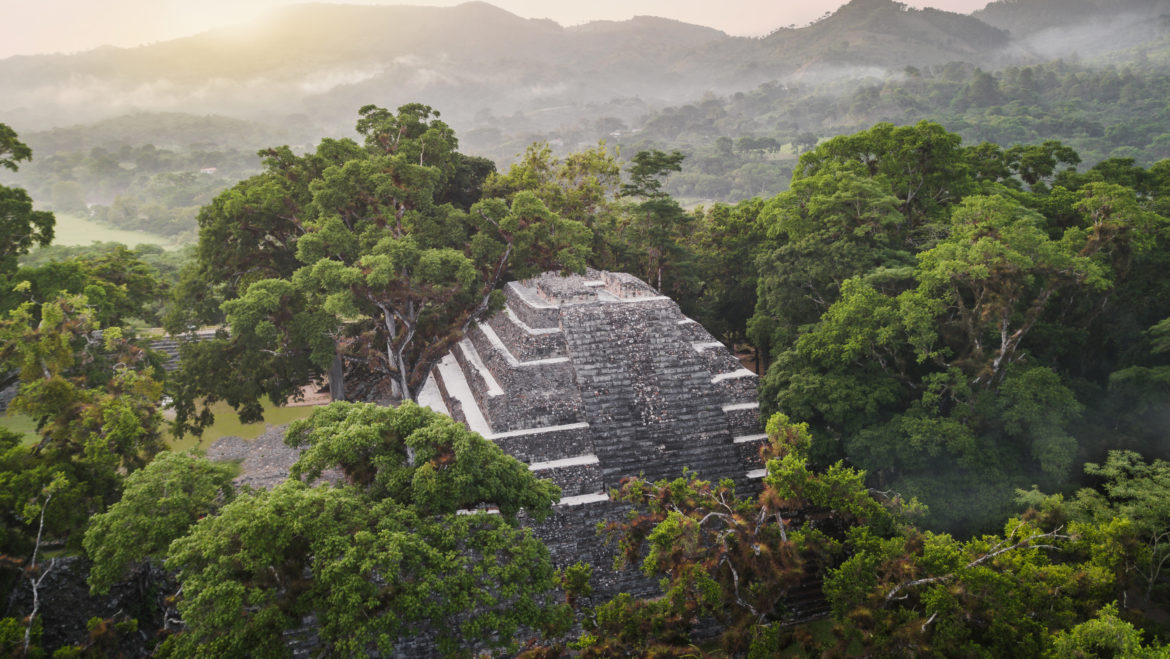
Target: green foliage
931, 595
117, 283
112, 173
582, 187
416, 457
159, 503
1106, 635
350, 252
923, 165
655, 228
975, 363
735, 560
859, 206
647, 170
894, 590
95, 403
24, 478
21, 227
1075, 104
380, 559
725, 244
1133, 489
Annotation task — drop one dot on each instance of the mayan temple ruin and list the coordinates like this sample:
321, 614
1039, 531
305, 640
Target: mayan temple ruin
593, 378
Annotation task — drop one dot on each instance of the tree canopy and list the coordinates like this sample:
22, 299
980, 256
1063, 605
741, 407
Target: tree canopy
929, 317
356, 252
21, 227
396, 551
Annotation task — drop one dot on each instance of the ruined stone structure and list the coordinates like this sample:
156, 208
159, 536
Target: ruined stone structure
593, 378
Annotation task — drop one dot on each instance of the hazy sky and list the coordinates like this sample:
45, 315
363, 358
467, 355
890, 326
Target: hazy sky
46, 26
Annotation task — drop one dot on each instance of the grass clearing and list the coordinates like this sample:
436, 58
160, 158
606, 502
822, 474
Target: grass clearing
21, 424
77, 230
226, 424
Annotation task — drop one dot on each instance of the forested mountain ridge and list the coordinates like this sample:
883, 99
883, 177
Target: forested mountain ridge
740, 109
1027, 17
1084, 29
889, 35
321, 60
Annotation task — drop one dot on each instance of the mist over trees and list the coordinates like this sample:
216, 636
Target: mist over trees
639, 85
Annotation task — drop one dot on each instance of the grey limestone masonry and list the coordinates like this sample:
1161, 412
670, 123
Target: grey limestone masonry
594, 378
6, 396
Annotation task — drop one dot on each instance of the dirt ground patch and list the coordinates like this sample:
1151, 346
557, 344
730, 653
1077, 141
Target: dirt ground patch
264, 461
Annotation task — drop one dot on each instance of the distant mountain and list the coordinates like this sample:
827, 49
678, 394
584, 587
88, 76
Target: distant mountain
167, 130
1025, 17
1088, 28
489, 70
890, 35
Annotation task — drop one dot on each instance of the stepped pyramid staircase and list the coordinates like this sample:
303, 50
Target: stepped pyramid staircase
590, 379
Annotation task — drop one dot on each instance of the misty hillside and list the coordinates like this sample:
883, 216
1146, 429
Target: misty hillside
1082, 28
504, 82
314, 64
1025, 17
890, 35
329, 59
165, 130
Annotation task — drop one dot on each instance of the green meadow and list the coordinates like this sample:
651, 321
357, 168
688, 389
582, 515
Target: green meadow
76, 230
226, 424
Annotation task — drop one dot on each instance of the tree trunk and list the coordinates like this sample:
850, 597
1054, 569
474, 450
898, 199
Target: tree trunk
337, 379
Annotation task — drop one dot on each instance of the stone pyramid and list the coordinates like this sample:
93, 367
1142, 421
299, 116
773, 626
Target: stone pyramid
593, 378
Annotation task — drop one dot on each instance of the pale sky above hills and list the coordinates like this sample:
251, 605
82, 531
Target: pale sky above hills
47, 26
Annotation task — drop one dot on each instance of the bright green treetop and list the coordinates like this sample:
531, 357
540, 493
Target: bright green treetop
352, 251
394, 553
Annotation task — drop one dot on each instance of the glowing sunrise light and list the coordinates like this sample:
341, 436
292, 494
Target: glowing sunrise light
37, 27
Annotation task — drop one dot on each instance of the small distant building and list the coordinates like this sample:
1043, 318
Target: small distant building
209, 170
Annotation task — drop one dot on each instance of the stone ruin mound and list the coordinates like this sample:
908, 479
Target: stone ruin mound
590, 379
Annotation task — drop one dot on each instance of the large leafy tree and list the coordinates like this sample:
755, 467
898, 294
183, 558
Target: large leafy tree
160, 502
831, 225
398, 550
583, 186
21, 227
859, 205
352, 253
924, 165
935, 377
656, 225
924, 329
1138, 490
118, 285
92, 395
725, 243
95, 403
890, 589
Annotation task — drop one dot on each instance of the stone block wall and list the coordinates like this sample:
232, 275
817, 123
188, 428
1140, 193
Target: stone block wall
539, 393
529, 308
558, 444
526, 345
